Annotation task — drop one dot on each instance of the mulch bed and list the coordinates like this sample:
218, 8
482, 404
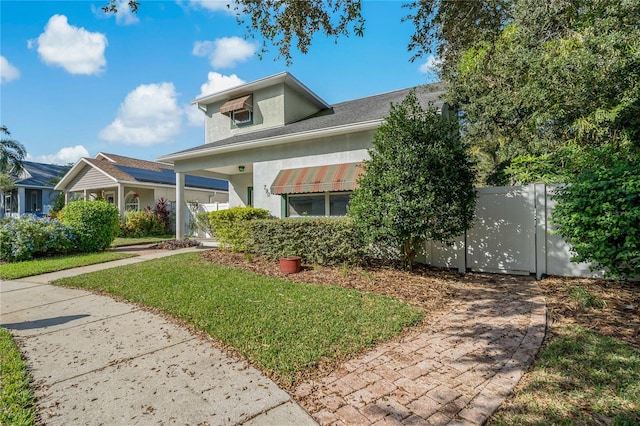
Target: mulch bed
618, 318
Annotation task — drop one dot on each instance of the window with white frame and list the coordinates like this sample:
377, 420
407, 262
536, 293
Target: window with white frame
242, 117
318, 204
132, 202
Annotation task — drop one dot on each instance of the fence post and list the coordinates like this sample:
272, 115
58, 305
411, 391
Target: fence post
541, 229
462, 254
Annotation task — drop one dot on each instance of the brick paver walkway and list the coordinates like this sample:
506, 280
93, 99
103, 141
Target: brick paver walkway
456, 371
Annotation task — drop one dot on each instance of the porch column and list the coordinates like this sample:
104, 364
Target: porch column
121, 198
180, 206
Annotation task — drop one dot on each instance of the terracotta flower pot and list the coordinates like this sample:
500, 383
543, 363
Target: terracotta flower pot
290, 265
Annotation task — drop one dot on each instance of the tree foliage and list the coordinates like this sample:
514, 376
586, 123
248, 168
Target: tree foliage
12, 153
418, 183
446, 28
599, 215
442, 27
562, 79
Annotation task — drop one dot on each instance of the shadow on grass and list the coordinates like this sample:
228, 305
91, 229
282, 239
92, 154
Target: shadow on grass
580, 377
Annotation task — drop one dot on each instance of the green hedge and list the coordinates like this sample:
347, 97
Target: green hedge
324, 241
94, 223
230, 226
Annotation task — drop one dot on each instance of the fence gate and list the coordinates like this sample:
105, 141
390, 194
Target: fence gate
503, 238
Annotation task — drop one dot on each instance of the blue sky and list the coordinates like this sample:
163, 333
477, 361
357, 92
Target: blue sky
75, 82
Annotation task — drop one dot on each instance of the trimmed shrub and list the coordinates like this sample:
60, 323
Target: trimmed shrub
143, 224
324, 241
94, 222
230, 226
28, 237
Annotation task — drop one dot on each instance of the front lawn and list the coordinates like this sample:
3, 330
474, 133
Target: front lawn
15, 270
283, 327
17, 402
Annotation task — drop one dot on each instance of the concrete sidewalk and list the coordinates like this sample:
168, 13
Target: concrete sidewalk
98, 361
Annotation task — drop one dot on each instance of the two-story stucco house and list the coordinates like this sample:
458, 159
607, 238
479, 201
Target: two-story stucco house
283, 148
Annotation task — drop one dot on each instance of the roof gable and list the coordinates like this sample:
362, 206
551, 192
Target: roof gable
126, 169
41, 175
341, 116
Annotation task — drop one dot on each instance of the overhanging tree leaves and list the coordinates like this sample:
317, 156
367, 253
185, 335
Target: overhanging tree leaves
418, 183
442, 27
563, 78
599, 215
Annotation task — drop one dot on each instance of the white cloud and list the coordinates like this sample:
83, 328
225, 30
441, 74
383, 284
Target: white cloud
149, 115
124, 15
195, 117
7, 71
65, 156
75, 49
217, 82
225, 52
213, 5
431, 66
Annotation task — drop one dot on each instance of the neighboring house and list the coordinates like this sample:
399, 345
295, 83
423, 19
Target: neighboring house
133, 184
34, 190
283, 148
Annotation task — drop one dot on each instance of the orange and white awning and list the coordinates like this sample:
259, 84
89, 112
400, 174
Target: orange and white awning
331, 178
243, 102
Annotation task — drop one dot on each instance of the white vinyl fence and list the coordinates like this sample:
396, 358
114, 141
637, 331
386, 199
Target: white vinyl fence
511, 234
194, 209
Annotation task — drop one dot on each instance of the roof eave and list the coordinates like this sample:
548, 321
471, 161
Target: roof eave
275, 140
283, 77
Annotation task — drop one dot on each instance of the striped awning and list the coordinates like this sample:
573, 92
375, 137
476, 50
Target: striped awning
243, 102
336, 177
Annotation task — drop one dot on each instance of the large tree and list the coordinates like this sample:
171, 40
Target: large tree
418, 182
562, 79
12, 153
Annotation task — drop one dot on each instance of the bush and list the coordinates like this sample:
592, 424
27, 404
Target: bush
325, 241
95, 223
598, 214
28, 237
143, 224
230, 226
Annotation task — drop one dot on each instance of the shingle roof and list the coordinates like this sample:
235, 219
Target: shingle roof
42, 175
135, 170
351, 112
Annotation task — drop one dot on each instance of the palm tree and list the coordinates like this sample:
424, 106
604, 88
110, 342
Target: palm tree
12, 153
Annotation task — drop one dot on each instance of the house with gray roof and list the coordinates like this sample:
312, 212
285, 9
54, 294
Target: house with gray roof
132, 184
33, 191
282, 148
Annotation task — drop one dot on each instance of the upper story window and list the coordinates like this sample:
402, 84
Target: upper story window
240, 110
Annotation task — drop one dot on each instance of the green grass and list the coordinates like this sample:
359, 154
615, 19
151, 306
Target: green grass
122, 241
15, 270
285, 328
580, 377
17, 402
